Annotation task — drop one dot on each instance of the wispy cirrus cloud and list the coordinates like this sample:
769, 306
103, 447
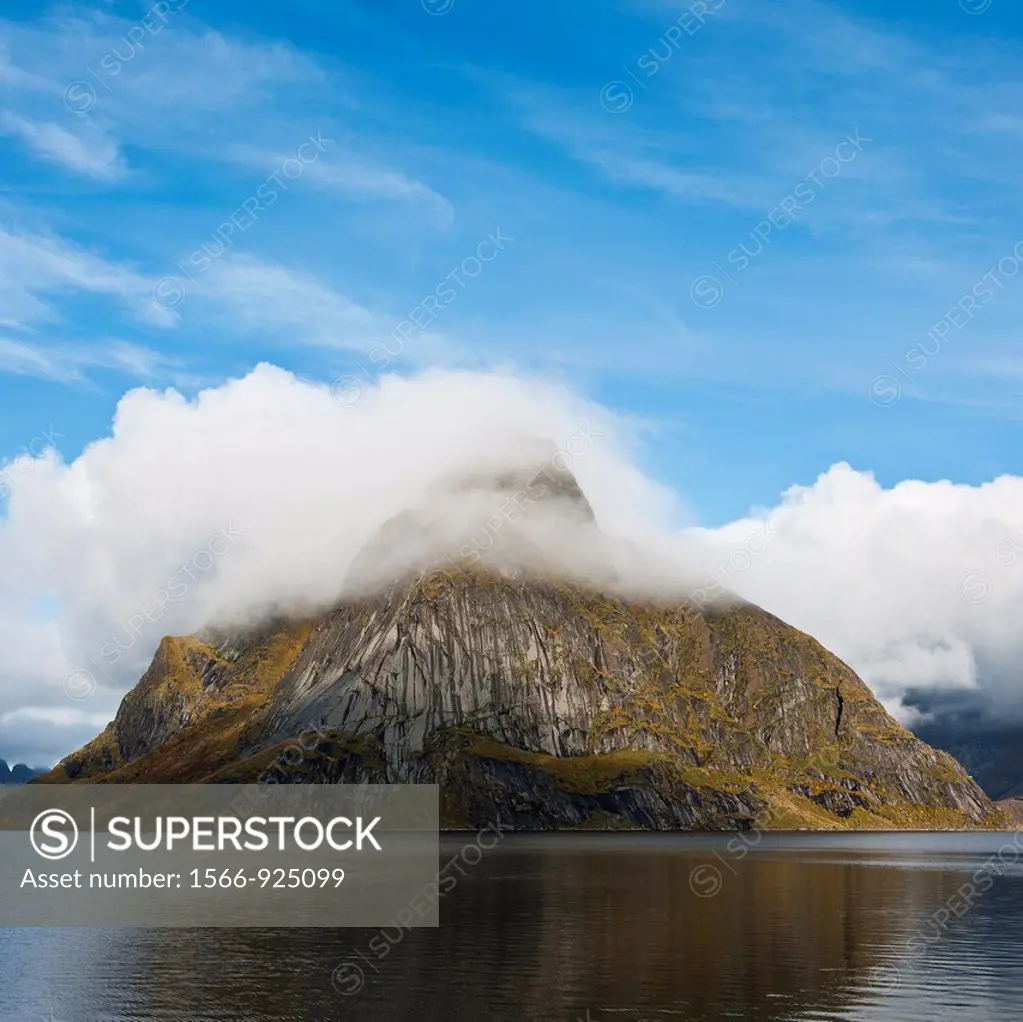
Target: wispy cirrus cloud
683, 167
100, 98
66, 363
79, 85
89, 152
344, 171
363, 179
291, 305
37, 267
28, 359
80, 89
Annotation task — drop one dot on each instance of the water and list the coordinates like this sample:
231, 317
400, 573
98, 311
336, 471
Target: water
605, 928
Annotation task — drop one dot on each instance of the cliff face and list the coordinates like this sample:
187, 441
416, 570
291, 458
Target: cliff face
540, 704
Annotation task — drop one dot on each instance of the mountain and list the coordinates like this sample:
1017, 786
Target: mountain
988, 742
18, 774
535, 699
983, 733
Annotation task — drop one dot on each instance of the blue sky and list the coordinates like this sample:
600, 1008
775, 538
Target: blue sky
125, 144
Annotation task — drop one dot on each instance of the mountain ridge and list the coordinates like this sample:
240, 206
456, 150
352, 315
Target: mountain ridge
20, 773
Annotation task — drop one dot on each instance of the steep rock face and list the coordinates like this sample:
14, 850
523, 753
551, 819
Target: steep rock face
540, 704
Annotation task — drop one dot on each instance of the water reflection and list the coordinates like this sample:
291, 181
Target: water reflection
622, 928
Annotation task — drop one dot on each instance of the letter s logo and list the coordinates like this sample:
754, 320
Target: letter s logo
55, 825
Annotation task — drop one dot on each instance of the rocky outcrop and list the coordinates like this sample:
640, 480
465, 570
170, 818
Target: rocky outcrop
1013, 810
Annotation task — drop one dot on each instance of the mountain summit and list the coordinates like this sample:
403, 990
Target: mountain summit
534, 700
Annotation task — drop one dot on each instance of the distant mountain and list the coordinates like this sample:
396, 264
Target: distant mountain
18, 774
538, 702
990, 750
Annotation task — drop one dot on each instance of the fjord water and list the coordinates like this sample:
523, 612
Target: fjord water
865, 928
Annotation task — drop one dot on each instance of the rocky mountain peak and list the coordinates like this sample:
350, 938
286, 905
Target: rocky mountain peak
20, 773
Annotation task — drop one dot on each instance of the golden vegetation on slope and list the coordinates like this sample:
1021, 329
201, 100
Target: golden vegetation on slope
97, 759
191, 711
584, 775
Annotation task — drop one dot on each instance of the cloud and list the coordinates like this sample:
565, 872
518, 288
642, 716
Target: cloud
344, 171
39, 723
131, 75
244, 296
64, 363
916, 586
263, 297
740, 161
82, 83
91, 153
29, 360
34, 267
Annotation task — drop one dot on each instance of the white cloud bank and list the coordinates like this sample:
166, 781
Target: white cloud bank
262, 491
916, 586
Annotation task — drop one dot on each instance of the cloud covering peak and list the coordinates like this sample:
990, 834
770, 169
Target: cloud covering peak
260, 493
